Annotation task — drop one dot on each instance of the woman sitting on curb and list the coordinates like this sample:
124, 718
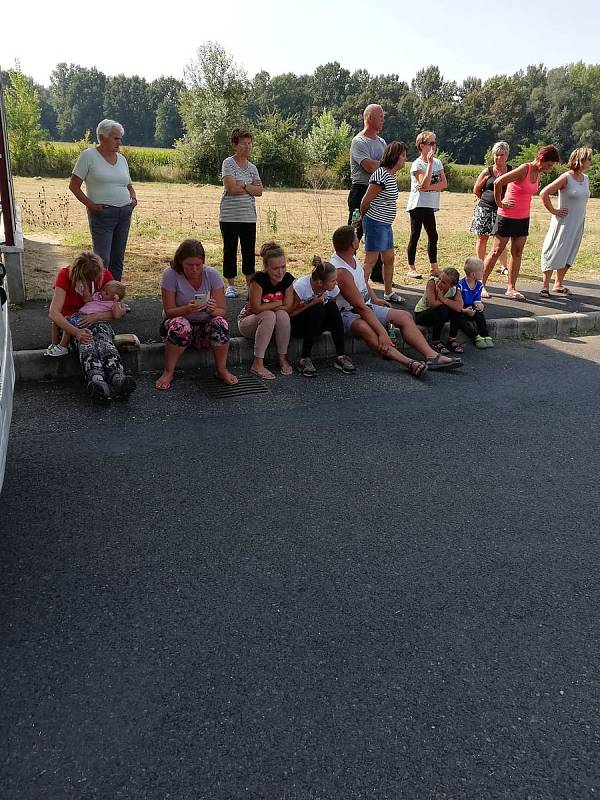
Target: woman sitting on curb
270, 298
194, 312
98, 355
441, 302
315, 311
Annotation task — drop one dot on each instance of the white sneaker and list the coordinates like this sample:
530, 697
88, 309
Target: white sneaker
56, 350
393, 297
231, 292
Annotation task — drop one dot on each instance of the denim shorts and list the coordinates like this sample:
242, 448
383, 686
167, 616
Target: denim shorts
378, 235
348, 317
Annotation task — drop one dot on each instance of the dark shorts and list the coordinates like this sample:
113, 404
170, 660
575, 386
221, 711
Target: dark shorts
511, 228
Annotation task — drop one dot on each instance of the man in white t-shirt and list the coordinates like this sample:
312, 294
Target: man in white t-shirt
366, 150
366, 316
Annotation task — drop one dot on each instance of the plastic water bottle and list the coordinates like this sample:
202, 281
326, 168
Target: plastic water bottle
392, 335
355, 217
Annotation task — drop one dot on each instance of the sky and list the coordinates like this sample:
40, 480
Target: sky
462, 37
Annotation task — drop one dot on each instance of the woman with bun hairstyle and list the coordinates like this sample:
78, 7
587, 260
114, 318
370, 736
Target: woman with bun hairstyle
237, 214
315, 311
270, 298
514, 210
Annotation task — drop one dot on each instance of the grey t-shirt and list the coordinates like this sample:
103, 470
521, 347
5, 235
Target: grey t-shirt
362, 147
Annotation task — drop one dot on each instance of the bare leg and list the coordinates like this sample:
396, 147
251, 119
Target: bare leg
546, 275
258, 366
560, 276
517, 245
481, 246
413, 336
500, 243
388, 270
361, 330
370, 261
220, 355
172, 356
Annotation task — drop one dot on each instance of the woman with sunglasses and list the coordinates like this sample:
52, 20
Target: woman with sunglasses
427, 180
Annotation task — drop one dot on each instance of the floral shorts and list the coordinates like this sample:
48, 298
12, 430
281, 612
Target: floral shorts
182, 332
484, 221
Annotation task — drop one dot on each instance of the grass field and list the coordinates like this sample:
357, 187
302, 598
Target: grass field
300, 219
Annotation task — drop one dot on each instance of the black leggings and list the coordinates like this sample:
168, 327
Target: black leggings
435, 318
246, 233
422, 218
316, 320
471, 326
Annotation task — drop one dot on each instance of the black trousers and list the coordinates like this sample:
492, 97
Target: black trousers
316, 320
356, 194
435, 318
471, 326
245, 232
422, 218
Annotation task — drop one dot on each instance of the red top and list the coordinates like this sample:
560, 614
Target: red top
521, 193
73, 300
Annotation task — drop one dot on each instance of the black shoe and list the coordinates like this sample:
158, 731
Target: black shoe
99, 392
123, 386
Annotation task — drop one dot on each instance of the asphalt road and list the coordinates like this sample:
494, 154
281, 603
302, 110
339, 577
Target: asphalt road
356, 587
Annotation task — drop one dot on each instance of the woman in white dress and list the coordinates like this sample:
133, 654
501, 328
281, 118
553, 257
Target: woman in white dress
566, 227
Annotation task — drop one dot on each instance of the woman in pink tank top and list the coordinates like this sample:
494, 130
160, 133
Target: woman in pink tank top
513, 215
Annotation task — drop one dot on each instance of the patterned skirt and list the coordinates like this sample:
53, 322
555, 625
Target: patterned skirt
484, 221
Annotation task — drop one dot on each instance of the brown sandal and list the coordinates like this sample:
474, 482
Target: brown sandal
416, 368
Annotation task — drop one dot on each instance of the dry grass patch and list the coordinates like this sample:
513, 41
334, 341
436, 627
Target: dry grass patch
301, 219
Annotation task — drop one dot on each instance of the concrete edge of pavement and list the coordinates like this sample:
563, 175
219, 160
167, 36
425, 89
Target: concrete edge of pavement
32, 365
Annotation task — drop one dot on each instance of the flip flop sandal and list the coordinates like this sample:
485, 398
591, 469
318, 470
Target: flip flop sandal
416, 368
455, 346
563, 290
503, 270
440, 348
545, 292
434, 363
515, 296
269, 377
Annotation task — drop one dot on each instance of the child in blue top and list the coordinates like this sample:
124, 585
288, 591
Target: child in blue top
471, 320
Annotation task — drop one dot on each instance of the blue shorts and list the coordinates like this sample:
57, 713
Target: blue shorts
348, 317
378, 235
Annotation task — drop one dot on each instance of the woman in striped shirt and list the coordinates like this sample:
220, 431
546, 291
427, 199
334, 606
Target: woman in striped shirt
378, 209
237, 216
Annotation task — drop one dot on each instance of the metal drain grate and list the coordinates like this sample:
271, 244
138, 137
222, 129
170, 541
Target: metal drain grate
248, 384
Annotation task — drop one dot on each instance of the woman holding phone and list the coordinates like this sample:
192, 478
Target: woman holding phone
193, 312
427, 180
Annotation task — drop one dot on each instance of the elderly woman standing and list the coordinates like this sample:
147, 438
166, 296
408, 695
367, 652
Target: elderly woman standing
486, 210
237, 215
562, 241
110, 197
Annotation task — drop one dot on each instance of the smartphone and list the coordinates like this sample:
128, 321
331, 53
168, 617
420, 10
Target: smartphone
201, 297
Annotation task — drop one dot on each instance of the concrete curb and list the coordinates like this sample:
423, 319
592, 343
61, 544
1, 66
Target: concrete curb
32, 365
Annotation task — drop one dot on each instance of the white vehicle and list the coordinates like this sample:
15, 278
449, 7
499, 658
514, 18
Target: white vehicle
7, 377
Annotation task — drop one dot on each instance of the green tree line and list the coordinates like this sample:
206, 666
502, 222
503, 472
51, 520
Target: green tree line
302, 123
